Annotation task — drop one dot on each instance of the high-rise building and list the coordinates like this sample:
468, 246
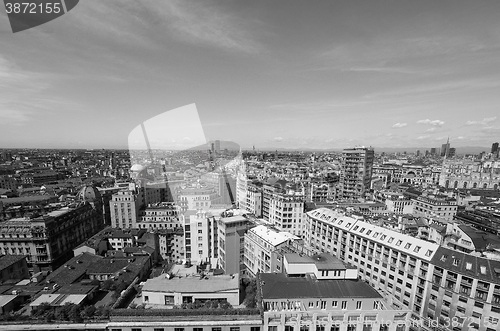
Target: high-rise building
232, 227
445, 148
124, 209
217, 146
494, 148
356, 174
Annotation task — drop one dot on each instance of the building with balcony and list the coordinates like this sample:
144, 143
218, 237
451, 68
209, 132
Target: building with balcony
48, 241
356, 172
162, 215
167, 290
262, 249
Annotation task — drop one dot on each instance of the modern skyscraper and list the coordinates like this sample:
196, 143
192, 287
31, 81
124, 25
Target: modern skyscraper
494, 148
217, 146
445, 148
356, 175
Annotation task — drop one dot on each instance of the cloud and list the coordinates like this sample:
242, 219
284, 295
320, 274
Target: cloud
399, 125
25, 96
431, 122
197, 23
278, 139
433, 129
484, 121
423, 137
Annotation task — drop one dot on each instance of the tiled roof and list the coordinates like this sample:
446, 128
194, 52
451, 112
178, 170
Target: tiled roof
73, 270
468, 265
8, 260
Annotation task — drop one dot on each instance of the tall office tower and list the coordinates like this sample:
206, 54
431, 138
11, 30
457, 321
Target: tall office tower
445, 148
494, 148
217, 146
433, 151
356, 174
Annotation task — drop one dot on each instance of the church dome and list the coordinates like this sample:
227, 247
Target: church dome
88, 193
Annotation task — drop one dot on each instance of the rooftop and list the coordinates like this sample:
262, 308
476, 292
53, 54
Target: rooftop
272, 236
279, 286
195, 284
8, 260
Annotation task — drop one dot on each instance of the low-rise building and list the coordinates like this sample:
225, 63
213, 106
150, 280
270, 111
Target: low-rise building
175, 291
320, 293
13, 267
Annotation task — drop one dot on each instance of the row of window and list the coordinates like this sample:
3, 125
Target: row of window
232, 328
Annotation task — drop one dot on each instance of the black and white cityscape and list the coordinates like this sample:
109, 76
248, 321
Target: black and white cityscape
250, 166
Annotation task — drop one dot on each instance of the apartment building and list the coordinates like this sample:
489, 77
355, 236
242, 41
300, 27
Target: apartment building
440, 207
356, 172
262, 245
48, 240
201, 237
232, 226
124, 209
253, 198
286, 212
162, 215
194, 198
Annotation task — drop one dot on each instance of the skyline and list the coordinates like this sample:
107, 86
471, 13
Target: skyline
328, 76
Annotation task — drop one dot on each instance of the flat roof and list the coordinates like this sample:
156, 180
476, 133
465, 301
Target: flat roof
273, 236
279, 286
58, 299
192, 284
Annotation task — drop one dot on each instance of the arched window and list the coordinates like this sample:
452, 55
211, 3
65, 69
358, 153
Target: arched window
455, 185
465, 184
495, 187
447, 183
474, 185
485, 185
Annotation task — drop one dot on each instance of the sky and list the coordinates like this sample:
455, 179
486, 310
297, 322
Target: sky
284, 74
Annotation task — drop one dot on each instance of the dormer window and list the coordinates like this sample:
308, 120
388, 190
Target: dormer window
455, 262
444, 257
399, 242
468, 266
368, 232
483, 270
383, 237
356, 227
407, 246
429, 253
416, 249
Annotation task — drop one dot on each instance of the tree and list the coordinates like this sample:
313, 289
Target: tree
74, 314
88, 312
251, 292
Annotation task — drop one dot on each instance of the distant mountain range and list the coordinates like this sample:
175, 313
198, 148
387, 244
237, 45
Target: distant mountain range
460, 150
